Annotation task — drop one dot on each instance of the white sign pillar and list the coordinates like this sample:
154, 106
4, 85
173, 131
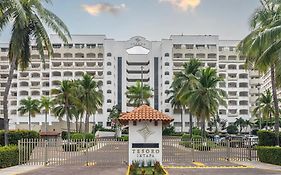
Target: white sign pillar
145, 141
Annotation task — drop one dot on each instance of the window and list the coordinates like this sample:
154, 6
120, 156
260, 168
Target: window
108, 101
200, 55
79, 55
167, 54
67, 55
108, 82
212, 55
189, 46
109, 73
108, 63
167, 82
91, 55
189, 55
167, 64
100, 55
167, 73
167, 110
57, 55
108, 54
108, 91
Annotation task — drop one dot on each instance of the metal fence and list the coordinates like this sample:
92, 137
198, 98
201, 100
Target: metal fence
62, 152
180, 151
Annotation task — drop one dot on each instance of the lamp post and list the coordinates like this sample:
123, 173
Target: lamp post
259, 86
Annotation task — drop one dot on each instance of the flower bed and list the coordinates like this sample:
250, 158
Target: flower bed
137, 169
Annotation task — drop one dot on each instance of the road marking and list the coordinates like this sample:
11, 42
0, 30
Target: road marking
208, 167
198, 164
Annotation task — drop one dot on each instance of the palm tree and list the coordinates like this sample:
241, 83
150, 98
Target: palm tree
30, 106
265, 106
205, 99
64, 100
185, 79
240, 122
47, 104
262, 46
91, 97
176, 103
139, 94
29, 22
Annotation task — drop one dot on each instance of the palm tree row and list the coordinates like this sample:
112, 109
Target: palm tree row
195, 88
30, 21
262, 47
71, 100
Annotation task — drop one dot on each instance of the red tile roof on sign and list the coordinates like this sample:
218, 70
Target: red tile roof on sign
145, 112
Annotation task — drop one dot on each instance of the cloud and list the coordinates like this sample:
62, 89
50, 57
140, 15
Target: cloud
183, 5
96, 9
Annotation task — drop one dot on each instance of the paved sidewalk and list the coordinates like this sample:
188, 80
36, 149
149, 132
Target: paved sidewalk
19, 169
260, 165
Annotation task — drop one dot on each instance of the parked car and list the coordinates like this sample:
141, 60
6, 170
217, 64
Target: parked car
236, 141
252, 141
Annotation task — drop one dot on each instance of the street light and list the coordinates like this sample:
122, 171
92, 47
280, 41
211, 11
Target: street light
259, 86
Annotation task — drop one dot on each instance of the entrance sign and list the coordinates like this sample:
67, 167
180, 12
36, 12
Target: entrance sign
145, 133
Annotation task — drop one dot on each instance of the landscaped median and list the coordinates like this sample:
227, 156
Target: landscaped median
269, 154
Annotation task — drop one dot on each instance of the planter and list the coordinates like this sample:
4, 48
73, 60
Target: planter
146, 170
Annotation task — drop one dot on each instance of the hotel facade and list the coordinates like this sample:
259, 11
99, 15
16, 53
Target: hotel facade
116, 65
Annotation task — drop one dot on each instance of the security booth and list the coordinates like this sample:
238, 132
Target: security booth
145, 133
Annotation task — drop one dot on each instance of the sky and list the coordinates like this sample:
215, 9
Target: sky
154, 19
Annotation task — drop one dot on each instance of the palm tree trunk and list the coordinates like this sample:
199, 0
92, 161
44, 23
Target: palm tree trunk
29, 121
203, 127
275, 102
5, 99
67, 119
80, 127
190, 124
87, 123
46, 121
182, 124
77, 123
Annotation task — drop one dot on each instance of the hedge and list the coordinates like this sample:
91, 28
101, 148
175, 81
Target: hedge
15, 135
270, 155
267, 138
9, 156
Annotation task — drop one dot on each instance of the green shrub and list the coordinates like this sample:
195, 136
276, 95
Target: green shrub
123, 138
186, 144
9, 156
254, 132
89, 136
185, 137
196, 137
15, 135
232, 129
266, 138
196, 131
82, 136
270, 155
168, 131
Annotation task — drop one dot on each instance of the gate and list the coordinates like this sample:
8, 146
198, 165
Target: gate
104, 152
177, 151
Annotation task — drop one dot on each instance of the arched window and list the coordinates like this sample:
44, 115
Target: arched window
108, 63
108, 73
91, 55
108, 54
100, 55
67, 55
108, 82
167, 82
108, 101
57, 55
167, 64
167, 54
167, 73
79, 55
108, 91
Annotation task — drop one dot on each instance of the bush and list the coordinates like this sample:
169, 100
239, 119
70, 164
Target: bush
196, 137
196, 131
185, 137
168, 131
82, 136
15, 135
254, 132
232, 129
123, 138
266, 138
270, 155
9, 156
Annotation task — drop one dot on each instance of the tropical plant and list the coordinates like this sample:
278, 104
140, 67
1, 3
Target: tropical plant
30, 106
205, 99
91, 97
29, 20
114, 115
184, 81
262, 47
139, 94
64, 101
264, 106
47, 104
240, 122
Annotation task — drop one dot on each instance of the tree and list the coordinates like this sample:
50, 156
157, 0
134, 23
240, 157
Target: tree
185, 81
240, 122
91, 97
262, 47
64, 101
47, 104
139, 94
114, 115
265, 106
175, 102
30, 106
205, 99
232, 129
29, 21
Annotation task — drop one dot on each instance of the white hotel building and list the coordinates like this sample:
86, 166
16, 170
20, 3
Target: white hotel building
117, 65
